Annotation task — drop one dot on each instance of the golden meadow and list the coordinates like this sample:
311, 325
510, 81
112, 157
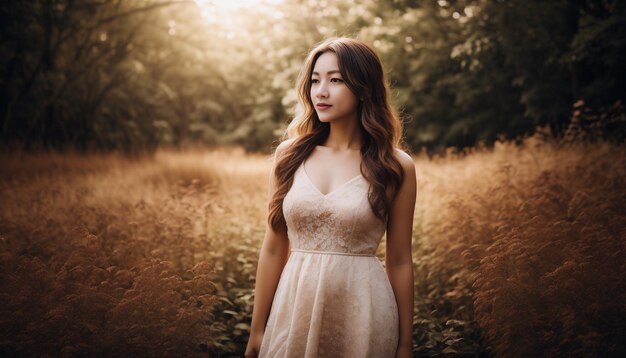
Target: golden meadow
518, 251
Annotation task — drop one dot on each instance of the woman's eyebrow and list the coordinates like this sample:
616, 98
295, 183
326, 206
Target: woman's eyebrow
328, 73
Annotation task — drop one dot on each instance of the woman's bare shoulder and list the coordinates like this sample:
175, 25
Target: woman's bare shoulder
405, 159
283, 145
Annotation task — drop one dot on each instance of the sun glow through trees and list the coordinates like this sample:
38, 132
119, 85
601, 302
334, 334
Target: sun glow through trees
216, 10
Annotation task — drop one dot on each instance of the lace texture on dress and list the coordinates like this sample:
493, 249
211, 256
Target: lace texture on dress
340, 221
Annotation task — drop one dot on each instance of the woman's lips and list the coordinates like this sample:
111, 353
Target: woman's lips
323, 106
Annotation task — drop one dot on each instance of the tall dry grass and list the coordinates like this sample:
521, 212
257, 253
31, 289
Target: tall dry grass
517, 252
103, 255
536, 236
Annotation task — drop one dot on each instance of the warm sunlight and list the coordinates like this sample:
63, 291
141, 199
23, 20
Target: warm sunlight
212, 10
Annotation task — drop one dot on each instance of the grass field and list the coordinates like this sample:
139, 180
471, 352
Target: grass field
518, 252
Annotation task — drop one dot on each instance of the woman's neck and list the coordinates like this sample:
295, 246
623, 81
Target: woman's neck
344, 135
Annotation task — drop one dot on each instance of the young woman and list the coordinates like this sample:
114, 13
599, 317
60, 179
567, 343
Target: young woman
339, 181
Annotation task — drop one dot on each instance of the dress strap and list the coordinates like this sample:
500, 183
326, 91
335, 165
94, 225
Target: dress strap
332, 252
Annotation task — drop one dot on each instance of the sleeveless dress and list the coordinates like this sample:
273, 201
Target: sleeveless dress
334, 298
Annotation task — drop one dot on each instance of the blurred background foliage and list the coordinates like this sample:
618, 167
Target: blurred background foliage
134, 75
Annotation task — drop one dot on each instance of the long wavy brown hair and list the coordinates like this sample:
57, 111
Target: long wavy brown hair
379, 123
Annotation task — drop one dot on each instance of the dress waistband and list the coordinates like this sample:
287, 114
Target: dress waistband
332, 252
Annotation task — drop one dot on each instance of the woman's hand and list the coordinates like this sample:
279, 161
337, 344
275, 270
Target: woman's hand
254, 345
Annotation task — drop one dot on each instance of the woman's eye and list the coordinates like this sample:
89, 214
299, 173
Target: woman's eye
336, 80
314, 81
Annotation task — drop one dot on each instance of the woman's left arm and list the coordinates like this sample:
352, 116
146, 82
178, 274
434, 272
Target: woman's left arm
399, 258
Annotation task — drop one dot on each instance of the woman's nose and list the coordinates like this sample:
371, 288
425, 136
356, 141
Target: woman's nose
321, 90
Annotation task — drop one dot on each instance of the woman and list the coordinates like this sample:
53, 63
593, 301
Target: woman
337, 183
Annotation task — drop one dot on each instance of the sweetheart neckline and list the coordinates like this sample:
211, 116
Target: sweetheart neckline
332, 191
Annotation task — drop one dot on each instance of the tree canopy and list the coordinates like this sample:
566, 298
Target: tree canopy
138, 74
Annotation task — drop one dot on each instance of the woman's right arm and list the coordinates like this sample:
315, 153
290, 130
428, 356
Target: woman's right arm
272, 259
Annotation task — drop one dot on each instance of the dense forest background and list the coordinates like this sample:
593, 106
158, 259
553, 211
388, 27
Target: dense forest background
139, 74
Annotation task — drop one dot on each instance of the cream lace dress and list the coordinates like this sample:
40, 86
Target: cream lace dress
333, 298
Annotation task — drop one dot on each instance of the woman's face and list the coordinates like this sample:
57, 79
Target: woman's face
332, 99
